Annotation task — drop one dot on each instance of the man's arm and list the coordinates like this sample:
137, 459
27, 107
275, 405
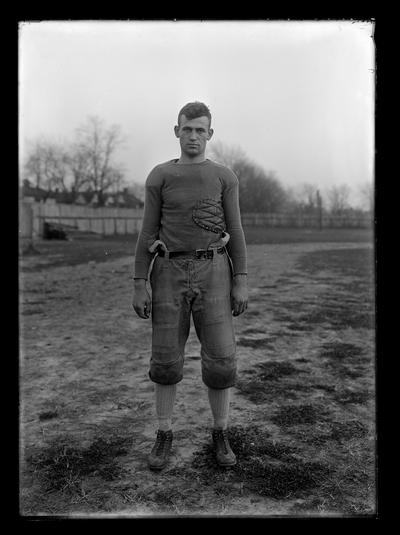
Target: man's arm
141, 299
148, 234
239, 294
236, 246
150, 224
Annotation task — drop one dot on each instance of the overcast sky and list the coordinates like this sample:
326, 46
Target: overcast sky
297, 97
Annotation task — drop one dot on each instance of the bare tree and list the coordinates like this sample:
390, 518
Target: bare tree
94, 151
86, 163
56, 167
305, 198
137, 189
34, 166
338, 198
117, 180
308, 197
80, 167
33, 170
47, 165
233, 157
366, 194
259, 191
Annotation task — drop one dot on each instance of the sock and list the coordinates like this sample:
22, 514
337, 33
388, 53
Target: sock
165, 399
219, 403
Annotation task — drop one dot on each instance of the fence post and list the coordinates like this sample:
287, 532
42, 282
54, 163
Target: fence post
25, 227
319, 208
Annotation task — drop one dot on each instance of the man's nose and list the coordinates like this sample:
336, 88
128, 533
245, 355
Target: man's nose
193, 135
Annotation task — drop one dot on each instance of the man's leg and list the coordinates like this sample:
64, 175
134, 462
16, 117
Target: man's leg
170, 326
165, 400
219, 403
212, 317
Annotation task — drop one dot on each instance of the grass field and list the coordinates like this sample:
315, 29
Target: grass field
73, 252
303, 409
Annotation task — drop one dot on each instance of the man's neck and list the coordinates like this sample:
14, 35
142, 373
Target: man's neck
184, 159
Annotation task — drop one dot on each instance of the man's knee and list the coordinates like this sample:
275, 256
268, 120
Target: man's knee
166, 373
219, 372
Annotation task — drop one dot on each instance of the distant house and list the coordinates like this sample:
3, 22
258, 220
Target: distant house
63, 197
81, 199
132, 200
94, 201
32, 193
110, 201
123, 199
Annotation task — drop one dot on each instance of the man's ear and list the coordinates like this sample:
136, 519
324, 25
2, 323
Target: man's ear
176, 130
210, 133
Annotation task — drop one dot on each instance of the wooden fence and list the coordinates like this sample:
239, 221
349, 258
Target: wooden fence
105, 221
108, 221
307, 221
25, 229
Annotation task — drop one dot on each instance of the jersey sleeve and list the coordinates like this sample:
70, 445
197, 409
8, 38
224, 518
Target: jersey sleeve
237, 245
150, 224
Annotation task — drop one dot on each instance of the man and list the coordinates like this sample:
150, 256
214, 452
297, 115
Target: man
192, 249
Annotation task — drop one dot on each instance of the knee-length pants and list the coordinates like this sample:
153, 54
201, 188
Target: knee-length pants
183, 287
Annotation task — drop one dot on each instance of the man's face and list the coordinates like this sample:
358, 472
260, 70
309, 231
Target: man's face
193, 135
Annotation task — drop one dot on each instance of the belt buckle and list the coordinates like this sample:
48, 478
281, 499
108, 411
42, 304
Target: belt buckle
203, 253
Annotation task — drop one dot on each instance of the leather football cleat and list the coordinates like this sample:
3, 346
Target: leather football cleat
159, 454
223, 452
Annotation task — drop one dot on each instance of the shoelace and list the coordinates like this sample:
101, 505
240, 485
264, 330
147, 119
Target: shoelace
161, 442
221, 434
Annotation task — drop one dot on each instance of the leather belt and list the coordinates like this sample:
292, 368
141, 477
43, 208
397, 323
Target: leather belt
198, 253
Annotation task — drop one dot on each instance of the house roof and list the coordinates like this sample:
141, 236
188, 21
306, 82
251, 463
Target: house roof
126, 199
38, 194
122, 198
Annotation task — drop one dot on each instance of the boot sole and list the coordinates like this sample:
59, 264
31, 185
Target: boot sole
156, 468
227, 464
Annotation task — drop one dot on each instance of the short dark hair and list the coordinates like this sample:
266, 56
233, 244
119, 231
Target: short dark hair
192, 110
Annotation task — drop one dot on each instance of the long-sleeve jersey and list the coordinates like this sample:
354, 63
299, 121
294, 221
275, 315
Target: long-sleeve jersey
173, 193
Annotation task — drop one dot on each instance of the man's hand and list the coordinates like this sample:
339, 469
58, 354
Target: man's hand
141, 299
239, 295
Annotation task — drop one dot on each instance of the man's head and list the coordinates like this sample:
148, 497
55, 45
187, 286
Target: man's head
194, 128
193, 110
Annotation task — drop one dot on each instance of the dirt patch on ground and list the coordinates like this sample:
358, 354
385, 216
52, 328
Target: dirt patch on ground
263, 342
303, 414
267, 467
62, 466
302, 420
55, 253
